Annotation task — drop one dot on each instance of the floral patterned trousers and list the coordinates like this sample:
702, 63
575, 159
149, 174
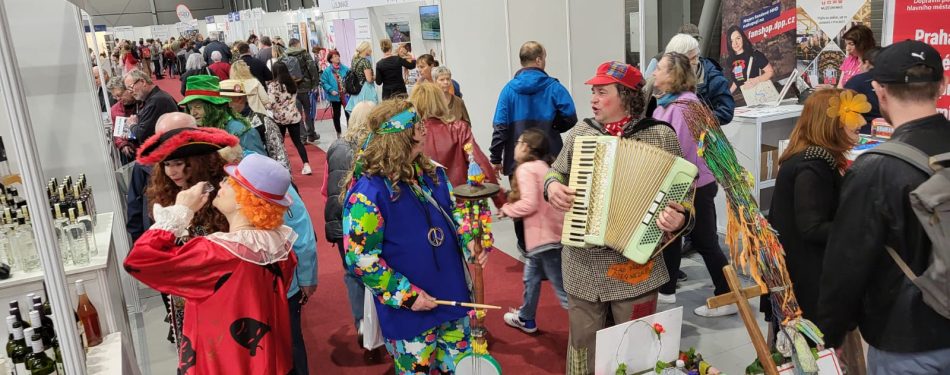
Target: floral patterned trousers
434, 351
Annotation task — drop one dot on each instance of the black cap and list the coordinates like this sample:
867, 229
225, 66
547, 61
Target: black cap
893, 62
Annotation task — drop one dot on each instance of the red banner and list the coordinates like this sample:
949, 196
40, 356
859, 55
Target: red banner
925, 22
784, 22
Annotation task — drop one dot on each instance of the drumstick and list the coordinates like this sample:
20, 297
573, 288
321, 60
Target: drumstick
466, 304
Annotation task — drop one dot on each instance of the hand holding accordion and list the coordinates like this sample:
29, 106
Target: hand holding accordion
621, 188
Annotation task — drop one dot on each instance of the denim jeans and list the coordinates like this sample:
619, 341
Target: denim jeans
296, 336
705, 240
922, 363
538, 266
354, 288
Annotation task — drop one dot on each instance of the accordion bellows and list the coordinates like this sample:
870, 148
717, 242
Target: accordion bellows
621, 186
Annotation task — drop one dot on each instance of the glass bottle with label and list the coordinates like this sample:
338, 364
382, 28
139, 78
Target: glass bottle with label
15, 311
86, 221
9, 228
89, 316
39, 363
16, 348
29, 257
28, 338
39, 328
6, 248
78, 240
60, 223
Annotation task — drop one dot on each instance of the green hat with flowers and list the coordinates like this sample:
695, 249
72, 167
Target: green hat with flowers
205, 88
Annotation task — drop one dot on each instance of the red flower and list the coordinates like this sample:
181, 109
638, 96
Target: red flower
658, 328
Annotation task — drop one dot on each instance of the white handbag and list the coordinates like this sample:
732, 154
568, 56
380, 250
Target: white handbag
372, 334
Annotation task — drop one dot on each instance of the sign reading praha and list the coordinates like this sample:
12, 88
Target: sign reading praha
184, 14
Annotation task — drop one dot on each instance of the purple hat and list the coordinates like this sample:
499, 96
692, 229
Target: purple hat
263, 176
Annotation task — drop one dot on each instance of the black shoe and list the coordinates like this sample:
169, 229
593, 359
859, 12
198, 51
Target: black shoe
681, 276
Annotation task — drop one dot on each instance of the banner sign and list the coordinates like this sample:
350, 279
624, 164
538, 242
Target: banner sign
338, 5
98, 28
926, 23
820, 48
758, 48
184, 14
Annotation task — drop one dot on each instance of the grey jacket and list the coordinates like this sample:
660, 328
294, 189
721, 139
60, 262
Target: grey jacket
339, 163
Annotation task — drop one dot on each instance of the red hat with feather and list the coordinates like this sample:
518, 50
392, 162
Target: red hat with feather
184, 142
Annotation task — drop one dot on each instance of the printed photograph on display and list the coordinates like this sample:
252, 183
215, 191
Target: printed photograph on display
431, 28
809, 37
827, 66
398, 32
759, 47
819, 20
862, 17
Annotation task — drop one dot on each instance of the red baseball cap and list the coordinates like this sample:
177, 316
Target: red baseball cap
617, 72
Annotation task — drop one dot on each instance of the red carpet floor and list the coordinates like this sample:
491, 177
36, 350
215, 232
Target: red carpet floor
328, 325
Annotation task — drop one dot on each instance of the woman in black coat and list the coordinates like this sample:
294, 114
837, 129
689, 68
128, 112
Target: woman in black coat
806, 194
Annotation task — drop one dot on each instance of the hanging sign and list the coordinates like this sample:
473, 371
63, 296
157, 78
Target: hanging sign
209, 19
362, 29
184, 14
927, 23
258, 13
338, 5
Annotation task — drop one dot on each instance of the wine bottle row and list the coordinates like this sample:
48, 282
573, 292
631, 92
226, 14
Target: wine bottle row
33, 346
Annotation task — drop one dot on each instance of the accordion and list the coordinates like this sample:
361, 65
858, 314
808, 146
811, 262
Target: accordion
621, 185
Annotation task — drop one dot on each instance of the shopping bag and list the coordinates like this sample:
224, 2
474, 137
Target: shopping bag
372, 334
123, 176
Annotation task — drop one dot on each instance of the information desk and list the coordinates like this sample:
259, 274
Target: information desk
750, 129
95, 275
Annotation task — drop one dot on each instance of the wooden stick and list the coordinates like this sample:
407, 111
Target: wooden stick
738, 295
466, 304
728, 299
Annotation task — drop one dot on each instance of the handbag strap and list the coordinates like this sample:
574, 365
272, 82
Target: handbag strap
900, 263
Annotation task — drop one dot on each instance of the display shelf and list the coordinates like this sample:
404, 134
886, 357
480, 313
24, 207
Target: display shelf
103, 236
105, 358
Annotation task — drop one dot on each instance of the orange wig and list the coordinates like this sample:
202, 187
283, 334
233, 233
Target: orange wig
263, 214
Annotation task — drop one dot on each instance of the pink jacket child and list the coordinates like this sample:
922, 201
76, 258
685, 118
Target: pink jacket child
542, 223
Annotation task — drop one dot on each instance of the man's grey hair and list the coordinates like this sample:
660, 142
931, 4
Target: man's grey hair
440, 71
138, 75
683, 44
212, 36
194, 62
216, 56
115, 83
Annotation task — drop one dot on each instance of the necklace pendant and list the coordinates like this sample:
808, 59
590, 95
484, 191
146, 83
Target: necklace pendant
436, 236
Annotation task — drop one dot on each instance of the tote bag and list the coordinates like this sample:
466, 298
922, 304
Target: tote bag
372, 334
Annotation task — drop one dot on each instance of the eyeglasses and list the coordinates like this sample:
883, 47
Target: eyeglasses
132, 86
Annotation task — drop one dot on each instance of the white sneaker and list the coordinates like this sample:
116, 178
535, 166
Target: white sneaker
668, 299
306, 170
512, 319
717, 312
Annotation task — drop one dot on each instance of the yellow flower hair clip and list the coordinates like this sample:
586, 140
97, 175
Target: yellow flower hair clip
849, 108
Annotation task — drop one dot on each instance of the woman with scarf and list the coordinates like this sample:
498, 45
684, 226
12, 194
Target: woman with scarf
332, 82
235, 281
402, 242
203, 100
675, 80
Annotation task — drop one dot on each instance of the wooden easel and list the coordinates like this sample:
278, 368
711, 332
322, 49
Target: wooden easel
740, 296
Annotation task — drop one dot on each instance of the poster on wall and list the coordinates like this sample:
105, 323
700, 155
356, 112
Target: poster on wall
758, 48
397, 28
925, 23
362, 26
819, 46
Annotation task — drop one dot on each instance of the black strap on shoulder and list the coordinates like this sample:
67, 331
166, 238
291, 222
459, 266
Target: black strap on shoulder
903, 151
646, 123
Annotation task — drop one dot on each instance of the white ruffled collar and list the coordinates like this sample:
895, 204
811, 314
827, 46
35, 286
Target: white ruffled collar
261, 247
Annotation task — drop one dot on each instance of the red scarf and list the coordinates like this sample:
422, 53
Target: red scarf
616, 128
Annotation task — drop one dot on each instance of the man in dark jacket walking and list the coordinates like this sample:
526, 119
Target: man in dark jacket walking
861, 285
215, 45
258, 69
533, 99
310, 78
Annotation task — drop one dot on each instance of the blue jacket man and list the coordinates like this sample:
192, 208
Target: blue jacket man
713, 89
533, 99
137, 220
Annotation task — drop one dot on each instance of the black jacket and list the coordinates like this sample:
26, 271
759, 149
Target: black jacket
137, 220
339, 163
258, 69
156, 104
861, 285
216, 46
803, 208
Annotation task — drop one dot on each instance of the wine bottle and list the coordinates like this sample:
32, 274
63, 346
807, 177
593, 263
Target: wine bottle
89, 316
39, 363
16, 347
39, 328
28, 339
6, 248
59, 225
15, 311
15, 199
29, 257
9, 227
86, 221
78, 240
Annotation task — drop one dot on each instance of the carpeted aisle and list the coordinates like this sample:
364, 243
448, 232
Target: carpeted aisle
328, 325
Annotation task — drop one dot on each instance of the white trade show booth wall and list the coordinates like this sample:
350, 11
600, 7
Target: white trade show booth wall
482, 40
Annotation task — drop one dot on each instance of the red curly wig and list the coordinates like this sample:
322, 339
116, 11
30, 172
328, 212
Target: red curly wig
263, 214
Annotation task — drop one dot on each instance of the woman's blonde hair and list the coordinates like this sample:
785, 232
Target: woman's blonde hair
262, 214
430, 102
360, 48
682, 76
277, 51
386, 45
388, 155
358, 130
240, 71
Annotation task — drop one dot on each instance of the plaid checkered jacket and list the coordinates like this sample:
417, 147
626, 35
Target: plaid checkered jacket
585, 270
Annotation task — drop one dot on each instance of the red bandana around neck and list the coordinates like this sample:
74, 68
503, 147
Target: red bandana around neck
616, 128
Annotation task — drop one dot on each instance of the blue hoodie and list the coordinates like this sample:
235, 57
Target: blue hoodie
533, 99
714, 91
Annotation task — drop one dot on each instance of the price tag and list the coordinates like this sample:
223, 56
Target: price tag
631, 272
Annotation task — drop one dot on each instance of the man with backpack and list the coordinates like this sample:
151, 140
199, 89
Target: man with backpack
885, 267
307, 76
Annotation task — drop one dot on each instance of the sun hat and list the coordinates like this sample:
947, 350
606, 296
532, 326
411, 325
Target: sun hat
232, 87
617, 72
184, 142
263, 176
205, 88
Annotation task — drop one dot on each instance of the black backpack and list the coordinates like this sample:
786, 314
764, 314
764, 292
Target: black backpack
352, 84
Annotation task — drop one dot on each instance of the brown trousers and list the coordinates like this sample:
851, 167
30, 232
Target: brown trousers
586, 318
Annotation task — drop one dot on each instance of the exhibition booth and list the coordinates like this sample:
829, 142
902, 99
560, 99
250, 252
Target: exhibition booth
52, 128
